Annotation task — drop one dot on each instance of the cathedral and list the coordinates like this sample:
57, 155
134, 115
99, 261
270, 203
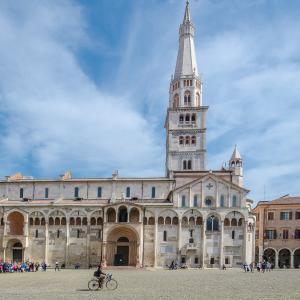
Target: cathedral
192, 215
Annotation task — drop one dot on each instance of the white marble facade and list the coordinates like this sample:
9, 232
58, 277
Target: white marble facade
192, 215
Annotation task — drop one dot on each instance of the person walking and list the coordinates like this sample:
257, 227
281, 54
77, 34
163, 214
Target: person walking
56, 266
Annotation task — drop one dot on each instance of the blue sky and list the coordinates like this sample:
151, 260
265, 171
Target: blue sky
84, 86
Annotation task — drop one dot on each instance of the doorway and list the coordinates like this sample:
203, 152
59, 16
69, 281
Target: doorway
17, 252
122, 255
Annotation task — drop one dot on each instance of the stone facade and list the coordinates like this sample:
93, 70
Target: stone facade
193, 215
278, 231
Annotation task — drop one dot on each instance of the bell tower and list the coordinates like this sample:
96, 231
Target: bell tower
185, 121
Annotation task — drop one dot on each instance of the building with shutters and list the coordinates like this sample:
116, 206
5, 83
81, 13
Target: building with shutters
277, 235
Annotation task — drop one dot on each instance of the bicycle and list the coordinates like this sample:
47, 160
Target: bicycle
109, 282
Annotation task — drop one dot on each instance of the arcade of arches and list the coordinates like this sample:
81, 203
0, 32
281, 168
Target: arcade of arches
284, 258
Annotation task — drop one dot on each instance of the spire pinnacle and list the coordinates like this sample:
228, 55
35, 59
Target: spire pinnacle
236, 154
187, 16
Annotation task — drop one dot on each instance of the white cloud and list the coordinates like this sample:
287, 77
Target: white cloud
54, 117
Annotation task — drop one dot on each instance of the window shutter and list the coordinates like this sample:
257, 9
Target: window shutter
275, 234
290, 215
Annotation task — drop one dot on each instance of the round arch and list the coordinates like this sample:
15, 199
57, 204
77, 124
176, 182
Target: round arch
296, 254
284, 258
15, 251
16, 223
122, 246
270, 255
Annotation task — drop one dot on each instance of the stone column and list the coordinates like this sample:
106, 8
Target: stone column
104, 255
26, 236
292, 261
140, 253
203, 242
46, 241
222, 245
179, 239
4, 254
5, 226
155, 241
276, 259
245, 243
67, 241
88, 238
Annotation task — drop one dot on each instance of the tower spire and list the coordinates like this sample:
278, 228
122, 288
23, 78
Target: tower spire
186, 64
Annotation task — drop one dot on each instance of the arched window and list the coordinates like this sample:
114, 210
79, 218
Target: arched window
212, 224
240, 223
31, 221
233, 222
183, 201
193, 140
175, 221
193, 119
165, 235
189, 165
57, 221
168, 221
208, 202
72, 221
187, 140
195, 200
199, 221
51, 221
93, 221
21, 193
187, 118
226, 222
234, 201
184, 165
153, 192
181, 119
99, 221
151, 221
222, 201
84, 221
187, 98
128, 192
99, 192
176, 101
78, 221
161, 221
76, 192
123, 215
181, 140
46, 192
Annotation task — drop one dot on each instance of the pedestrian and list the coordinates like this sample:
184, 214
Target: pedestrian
56, 266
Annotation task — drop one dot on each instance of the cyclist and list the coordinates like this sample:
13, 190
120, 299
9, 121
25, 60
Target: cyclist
100, 274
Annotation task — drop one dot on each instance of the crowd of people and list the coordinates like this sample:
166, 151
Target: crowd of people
261, 266
9, 267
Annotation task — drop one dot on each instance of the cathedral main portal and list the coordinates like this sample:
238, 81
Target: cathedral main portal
121, 247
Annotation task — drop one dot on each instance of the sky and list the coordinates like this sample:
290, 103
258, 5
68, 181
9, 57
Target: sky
84, 87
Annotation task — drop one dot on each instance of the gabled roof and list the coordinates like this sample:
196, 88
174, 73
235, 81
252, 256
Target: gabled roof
213, 177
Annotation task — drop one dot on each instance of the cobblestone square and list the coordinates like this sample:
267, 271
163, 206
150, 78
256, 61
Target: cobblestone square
156, 284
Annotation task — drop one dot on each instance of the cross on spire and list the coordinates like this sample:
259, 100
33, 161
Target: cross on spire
187, 16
